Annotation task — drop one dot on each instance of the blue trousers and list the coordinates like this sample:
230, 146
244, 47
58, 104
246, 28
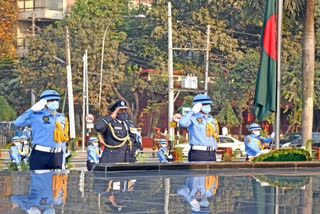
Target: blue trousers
197, 155
45, 160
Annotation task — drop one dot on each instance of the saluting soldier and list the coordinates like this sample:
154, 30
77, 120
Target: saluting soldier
203, 130
93, 153
49, 131
118, 134
254, 143
15, 150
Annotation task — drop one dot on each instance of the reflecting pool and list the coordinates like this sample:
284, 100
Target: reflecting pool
176, 191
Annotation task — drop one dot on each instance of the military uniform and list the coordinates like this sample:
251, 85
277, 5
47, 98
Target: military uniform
92, 153
47, 190
197, 190
203, 131
120, 137
254, 143
15, 151
49, 133
163, 153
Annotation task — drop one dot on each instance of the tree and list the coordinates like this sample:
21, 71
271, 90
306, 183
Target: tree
8, 20
308, 73
6, 112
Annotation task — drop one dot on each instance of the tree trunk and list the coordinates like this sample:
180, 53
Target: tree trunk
308, 72
137, 110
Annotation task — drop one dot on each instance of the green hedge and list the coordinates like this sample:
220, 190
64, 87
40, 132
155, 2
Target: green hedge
294, 154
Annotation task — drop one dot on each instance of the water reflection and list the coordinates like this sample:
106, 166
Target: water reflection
197, 191
48, 190
153, 192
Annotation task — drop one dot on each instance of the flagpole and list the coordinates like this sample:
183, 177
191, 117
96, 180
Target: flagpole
279, 34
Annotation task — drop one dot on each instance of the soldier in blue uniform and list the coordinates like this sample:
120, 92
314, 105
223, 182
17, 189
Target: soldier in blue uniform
254, 143
203, 130
118, 134
163, 153
48, 189
15, 150
25, 150
197, 190
49, 131
93, 152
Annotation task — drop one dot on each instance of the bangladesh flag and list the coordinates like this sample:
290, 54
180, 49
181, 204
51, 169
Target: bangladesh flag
265, 93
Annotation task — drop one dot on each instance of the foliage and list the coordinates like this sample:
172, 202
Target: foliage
6, 112
294, 154
14, 166
294, 182
177, 153
16, 94
8, 20
227, 116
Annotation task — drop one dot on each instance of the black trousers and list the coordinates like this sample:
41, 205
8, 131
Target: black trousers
117, 155
45, 160
90, 165
198, 155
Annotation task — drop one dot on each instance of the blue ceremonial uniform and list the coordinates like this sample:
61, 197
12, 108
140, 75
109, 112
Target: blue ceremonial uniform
43, 125
14, 153
46, 190
196, 126
199, 188
92, 156
164, 155
253, 143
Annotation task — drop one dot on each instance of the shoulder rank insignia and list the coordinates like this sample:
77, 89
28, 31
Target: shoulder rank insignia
45, 119
247, 139
199, 119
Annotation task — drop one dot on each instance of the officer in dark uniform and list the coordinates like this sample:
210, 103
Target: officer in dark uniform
118, 134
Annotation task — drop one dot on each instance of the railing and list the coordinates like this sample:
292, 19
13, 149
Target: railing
29, 5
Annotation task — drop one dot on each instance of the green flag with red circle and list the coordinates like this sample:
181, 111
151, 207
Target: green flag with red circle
265, 92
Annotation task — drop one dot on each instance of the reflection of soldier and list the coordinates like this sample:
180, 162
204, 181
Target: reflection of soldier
115, 190
156, 141
163, 153
197, 190
47, 189
118, 134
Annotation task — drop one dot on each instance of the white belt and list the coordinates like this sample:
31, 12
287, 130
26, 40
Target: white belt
203, 148
47, 149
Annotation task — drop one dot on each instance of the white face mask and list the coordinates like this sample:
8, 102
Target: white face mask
163, 145
95, 144
17, 144
25, 142
256, 133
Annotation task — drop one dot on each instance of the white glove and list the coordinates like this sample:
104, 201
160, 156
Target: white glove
272, 135
39, 105
197, 107
195, 205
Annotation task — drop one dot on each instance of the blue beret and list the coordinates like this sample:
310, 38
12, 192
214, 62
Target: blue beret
119, 103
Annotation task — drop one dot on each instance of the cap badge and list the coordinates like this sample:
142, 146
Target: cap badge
122, 103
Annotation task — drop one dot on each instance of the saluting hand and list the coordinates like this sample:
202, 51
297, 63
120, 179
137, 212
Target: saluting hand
38, 106
115, 113
197, 107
